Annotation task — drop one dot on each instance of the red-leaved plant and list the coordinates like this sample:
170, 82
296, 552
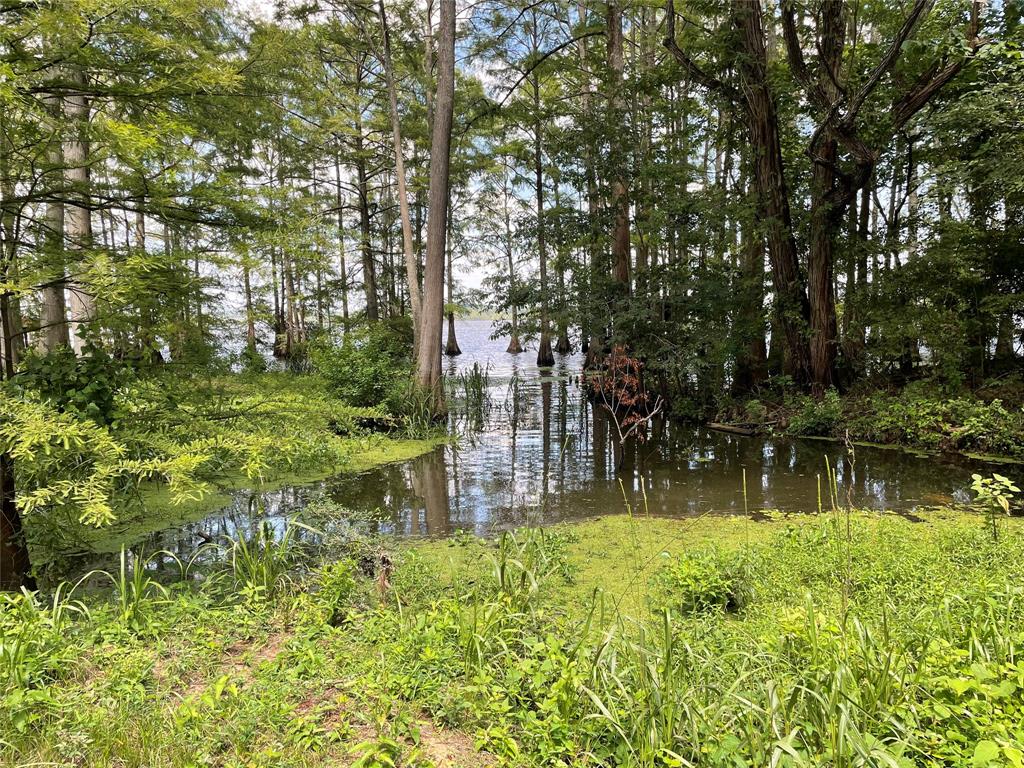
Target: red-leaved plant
618, 387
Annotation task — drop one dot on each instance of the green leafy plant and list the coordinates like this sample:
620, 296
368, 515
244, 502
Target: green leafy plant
993, 495
704, 580
372, 366
260, 563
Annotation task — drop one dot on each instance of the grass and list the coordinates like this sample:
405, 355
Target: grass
860, 640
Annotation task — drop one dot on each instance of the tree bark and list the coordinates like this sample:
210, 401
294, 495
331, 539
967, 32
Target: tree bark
409, 251
752, 355
514, 345
592, 331
545, 358
363, 190
451, 348
563, 345
620, 188
342, 266
78, 215
821, 291
10, 225
15, 571
428, 356
762, 119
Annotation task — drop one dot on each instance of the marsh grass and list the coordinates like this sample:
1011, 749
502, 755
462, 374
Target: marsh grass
263, 562
867, 640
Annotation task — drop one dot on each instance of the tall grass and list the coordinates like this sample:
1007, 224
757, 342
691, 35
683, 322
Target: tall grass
261, 563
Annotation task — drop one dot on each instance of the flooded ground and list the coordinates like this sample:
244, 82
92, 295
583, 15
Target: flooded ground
534, 450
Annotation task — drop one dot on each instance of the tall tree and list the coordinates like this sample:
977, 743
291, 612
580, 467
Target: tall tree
428, 353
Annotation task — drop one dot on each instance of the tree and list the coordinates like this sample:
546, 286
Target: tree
428, 353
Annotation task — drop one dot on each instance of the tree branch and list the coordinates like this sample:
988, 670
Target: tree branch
888, 61
710, 82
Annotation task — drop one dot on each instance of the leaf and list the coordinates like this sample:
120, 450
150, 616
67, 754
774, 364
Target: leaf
984, 753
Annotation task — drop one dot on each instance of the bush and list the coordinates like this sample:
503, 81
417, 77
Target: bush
704, 580
924, 418
84, 385
252, 361
817, 417
371, 367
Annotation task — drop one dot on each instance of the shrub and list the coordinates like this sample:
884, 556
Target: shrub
81, 385
704, 580
817, 416
252, 360
371, 366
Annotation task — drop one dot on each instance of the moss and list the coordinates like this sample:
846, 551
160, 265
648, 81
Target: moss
619, 554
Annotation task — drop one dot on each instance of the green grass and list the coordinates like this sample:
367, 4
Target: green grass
840, 640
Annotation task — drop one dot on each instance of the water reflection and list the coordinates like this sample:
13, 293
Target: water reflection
536, 451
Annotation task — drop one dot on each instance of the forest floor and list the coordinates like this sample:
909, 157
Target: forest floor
985, 423
847, 638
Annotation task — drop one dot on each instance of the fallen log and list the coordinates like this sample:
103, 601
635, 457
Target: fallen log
733, 429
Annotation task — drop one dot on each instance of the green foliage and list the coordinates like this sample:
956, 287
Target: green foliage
817, 416
251, 361
872, 641
83, 385
135, 588
34, 652
921, 415
261, 563
993, 495
704, 580
179, 432
371, 367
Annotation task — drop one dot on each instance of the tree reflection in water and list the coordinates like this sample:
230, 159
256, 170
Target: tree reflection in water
542, 453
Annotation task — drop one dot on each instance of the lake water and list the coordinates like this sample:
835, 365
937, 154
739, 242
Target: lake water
539, 452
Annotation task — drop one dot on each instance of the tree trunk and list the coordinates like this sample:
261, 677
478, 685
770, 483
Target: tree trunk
250, 315
363, 190
15, 565
409, 251
53, 332
545, 357
824, 222
10, 218
592, 331
854, 343
563, 346
514, 346
341, 239
451, 348
78, 215
752, 357
428, 356
793, 310
620, 189
15, 569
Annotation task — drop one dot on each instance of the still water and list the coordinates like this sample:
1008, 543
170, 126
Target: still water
536, 451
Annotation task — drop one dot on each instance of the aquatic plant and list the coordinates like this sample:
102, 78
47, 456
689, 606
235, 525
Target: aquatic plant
261, 562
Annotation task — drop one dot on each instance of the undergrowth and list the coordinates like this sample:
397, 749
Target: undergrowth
841, 640
919, 416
